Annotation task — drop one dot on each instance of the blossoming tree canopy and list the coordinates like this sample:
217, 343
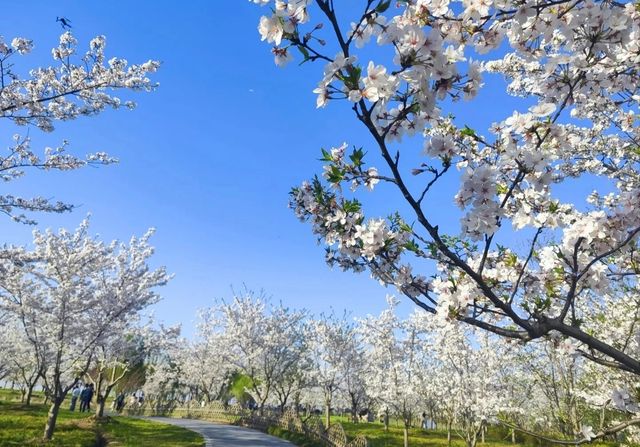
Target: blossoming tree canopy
72, 293
75, 85
263, 341
579, 61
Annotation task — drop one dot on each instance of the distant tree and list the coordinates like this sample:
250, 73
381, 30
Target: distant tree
123, 351
395, 357
330, 341
204, 364
262, 341
468, 376
22, 362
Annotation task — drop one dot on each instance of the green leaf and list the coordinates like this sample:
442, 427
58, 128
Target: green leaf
335, 175
406, 228
511, 260
326, 155
356, 157
351, 206
468, 132
383, 6
412, 246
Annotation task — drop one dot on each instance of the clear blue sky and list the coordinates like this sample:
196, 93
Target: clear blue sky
207, 159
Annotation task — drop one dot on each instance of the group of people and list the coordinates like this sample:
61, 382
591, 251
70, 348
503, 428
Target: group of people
84, 394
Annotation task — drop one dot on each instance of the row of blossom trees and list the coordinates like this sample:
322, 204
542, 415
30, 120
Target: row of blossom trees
69, 303
464, 379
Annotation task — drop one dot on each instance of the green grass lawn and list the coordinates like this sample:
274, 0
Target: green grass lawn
23, 426
417, 437
7, 395
377, 437
129, 432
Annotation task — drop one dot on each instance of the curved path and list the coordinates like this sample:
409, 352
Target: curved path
219, 435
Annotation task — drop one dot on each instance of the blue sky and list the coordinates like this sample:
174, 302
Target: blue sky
207, 159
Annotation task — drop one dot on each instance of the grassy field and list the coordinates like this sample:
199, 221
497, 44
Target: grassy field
23, 426
417, 437
436, 438
129, 432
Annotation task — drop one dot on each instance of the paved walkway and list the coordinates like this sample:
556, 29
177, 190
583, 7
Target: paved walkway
218, 435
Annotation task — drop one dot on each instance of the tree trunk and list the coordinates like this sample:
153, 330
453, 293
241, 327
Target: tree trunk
296, 404
102, 401
327, 414
448, 434
472, 440
406, 436
513, 436
27, 400
52, 418
100, 407
482, 431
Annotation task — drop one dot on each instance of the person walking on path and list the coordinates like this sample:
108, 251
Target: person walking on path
75, 394
85, 398
120, 402
139, 397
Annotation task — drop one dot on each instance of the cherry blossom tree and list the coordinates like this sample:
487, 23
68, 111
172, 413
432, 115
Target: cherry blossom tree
164, 379
204, 363
470, 379
22, 361
559, 377
577, 62
73, 296
262, 341
109, 367
288, 389
395, 355
75, 85
330, 340
126, 347
354, 367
